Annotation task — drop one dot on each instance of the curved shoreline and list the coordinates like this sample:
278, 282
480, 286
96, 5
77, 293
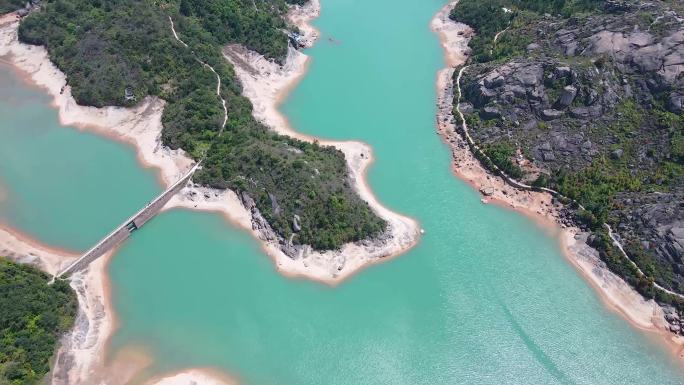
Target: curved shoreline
613, 291
80, 352
141, 127
266, 85
81, 356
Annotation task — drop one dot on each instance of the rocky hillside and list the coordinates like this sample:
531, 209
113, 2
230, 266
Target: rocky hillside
589, 100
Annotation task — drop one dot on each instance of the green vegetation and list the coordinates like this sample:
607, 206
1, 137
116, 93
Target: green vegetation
108, 47
501, 154
33, 316
595, 186
287, 177
10, 5
257, 27
488, 17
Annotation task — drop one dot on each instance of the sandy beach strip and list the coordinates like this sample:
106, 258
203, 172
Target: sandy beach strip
203, 376
614, 292
80, 352
267, 84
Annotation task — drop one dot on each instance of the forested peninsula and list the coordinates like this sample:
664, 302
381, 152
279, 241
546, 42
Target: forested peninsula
586, 97
118, 52
33, 316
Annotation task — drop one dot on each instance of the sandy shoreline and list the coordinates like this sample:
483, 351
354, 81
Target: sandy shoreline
199, 376
81, 356
141, 127
78, 357
615, 293
266, 84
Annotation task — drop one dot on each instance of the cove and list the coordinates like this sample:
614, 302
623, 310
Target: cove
485, 298
63, 187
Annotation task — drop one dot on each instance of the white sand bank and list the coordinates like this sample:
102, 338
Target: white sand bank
194, 377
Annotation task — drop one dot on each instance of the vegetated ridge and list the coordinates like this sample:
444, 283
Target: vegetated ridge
116, 52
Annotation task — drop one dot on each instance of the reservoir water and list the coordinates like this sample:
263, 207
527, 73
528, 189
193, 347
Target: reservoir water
64, 187
485, 298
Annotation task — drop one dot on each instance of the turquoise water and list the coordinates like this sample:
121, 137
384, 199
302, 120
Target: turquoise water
64, 187
485, 298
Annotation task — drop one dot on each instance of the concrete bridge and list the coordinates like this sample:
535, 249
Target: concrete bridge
129, 226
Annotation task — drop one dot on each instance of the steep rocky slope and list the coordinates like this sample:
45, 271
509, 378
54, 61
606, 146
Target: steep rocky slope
589, 101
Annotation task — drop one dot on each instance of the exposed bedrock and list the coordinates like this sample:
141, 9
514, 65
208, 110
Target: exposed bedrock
593, 106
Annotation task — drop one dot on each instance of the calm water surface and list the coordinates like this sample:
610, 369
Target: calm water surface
485, 298
65, 187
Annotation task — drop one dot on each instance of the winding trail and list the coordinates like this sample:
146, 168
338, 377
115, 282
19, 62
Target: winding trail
617, 243
496, 37
517, 184
218, 78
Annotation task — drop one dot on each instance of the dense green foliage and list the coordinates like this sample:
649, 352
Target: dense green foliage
501, 154
10, 5
33, 315
330, 212
596, 186
106, 47
258, 27
488, 17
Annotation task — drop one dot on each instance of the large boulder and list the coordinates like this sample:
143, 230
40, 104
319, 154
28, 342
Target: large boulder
551, 114
493, 80
579, 112
640, 39
649, 58
530, 75
675, 102
566, 97
296, 223
465, 108
562, 72
489, 113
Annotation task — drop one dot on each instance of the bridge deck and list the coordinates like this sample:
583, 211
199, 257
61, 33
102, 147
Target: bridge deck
133, 223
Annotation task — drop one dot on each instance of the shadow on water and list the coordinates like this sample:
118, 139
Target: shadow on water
535, 349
